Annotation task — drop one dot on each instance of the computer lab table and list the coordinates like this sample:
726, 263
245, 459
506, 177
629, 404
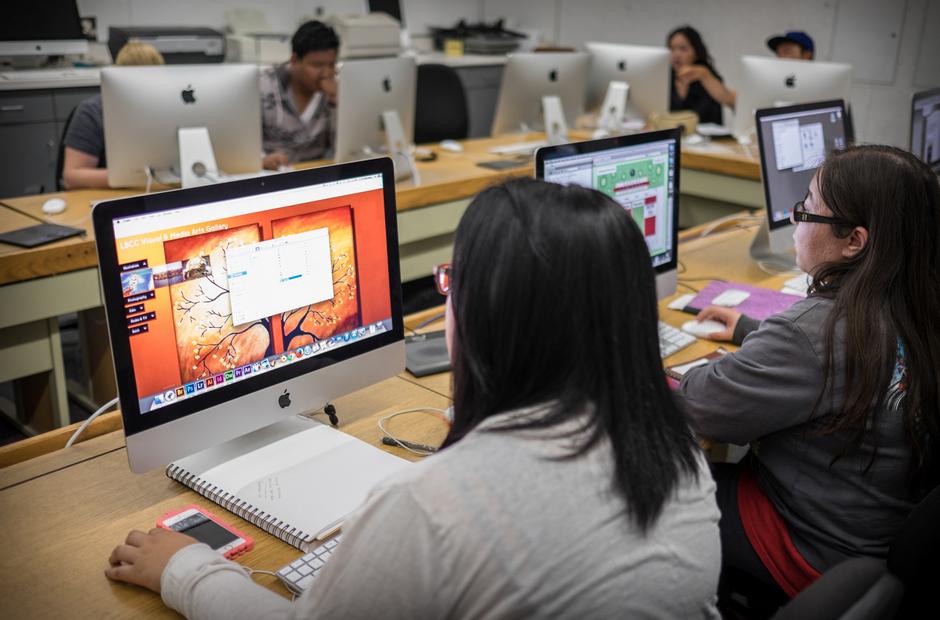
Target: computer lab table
41, 284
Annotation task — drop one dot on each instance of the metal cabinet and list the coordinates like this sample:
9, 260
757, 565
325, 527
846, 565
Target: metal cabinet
31, 126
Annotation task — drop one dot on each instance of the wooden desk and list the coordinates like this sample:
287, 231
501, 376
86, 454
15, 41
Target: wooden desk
61, 521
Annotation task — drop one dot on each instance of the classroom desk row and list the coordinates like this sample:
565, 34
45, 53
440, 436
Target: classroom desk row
63, 510
39, 285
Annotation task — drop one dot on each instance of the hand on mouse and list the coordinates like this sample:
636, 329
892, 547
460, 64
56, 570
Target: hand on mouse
728, 316
273, 161
142, 558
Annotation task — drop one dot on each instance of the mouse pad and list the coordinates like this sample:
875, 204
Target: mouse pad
426, 354
40, 234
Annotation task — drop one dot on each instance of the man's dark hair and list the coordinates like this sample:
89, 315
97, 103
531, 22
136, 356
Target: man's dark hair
313, 36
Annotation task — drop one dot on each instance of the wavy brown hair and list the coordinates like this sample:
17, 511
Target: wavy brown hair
888, 294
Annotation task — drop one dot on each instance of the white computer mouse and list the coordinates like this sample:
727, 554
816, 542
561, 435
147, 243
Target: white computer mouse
54, 206
451, 145
702, 329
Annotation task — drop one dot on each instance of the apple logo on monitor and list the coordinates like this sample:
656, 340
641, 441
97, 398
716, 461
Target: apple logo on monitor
283, 400
188, 94
790, 81
387, 85
553, 75
622, 65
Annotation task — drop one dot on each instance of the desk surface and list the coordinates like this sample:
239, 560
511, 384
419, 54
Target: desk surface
62, 513
453, 176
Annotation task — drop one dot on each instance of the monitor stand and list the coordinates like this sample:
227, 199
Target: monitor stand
197, 159
774, 247
398, 148
556, 128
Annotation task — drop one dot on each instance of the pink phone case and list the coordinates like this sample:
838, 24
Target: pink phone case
231, 553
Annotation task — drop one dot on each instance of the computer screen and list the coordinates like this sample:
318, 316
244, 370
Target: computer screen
925, 127
37, 28
640, 172
226, 291
793, 142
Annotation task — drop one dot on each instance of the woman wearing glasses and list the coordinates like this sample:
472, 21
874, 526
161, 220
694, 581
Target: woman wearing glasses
569, 486
839, 394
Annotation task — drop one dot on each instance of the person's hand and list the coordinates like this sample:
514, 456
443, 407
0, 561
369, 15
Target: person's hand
142, 557
328, 86
273, 161
692, 73
728, 316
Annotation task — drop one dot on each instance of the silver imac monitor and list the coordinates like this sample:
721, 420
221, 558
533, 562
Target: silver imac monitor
774, 82
48, 28
793, 142
640, 172
144, 107
644, 68
528, 77
925, 127
367, 89
231, 306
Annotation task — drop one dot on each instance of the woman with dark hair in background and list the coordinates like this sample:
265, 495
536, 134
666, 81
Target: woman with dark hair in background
570, 485
839, 394
696, 85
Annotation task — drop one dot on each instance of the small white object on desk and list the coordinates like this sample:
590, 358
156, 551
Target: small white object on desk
679, 303
702, 329
54, 206
730, 298
451, 145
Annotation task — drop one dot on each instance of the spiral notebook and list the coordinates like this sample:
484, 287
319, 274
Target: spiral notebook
297, 479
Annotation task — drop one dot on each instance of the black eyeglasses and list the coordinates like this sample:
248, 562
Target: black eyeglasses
799, 214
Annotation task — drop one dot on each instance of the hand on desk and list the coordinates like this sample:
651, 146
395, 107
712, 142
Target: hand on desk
728, 316
142, 557
274, 161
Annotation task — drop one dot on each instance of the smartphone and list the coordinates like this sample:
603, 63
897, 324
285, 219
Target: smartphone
207, 528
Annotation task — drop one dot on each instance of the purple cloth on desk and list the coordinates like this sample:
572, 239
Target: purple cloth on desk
762, 303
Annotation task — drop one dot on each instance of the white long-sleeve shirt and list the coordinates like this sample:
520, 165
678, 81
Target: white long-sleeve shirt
495, 526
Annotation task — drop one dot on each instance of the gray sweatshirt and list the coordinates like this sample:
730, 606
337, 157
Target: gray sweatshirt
493, 527
765, 393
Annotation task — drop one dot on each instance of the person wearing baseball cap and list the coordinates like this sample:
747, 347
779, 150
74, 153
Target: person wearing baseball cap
794, 44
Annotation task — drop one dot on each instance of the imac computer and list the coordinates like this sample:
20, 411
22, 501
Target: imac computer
367, 90
925, 127
530, 76
234, 306
775, 82
49, 28
641, 173
793, 142
645, 70
145, 109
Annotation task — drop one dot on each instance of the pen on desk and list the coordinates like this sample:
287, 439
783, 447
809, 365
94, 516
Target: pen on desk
389, 441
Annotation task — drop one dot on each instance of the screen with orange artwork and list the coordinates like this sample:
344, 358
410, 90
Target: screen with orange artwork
214, 294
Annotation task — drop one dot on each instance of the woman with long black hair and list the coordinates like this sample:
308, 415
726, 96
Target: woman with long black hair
570, 485
695, 83
839, 394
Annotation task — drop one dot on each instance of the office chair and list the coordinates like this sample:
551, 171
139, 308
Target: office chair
856, 589
60, 158
912, 557
441, 106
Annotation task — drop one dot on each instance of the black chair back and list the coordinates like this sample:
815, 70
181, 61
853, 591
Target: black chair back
441, 106
913, 557
856, 589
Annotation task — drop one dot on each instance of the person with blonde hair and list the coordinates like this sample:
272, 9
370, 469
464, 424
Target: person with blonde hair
84, 162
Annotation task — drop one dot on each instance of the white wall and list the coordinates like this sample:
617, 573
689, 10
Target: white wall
283, 15
894, 45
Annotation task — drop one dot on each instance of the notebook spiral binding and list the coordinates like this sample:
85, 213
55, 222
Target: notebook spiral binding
257, 517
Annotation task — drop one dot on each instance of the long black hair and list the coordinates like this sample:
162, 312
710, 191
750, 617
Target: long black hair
554, 302
702, 57
888, 295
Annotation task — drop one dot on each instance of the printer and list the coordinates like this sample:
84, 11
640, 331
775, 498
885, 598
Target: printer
178, 44
365, 36
251, 39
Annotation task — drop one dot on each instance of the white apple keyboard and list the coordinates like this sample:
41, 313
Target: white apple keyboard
518, 148
702, 329
672, 340
299, 574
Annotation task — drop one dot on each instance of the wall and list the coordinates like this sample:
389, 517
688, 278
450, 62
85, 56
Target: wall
893, 46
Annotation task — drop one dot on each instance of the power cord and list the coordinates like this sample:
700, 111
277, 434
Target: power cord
429, 320
81, 429
415, 448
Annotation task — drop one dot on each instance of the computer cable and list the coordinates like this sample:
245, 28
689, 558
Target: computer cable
81, 429
414, 448
708, 230
429, 320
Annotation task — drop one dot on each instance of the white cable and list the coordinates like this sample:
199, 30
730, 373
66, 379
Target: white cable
764, 266
382, 421
722, 220
149, 173
81, 429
